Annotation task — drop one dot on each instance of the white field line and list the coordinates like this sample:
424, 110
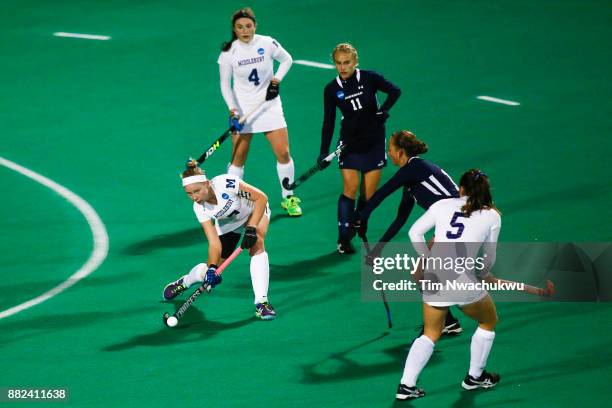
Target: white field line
83, 36
98, 230
497, 100
313, 64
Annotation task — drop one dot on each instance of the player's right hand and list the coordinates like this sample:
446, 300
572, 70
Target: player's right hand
234, 121
211, 276
322, 163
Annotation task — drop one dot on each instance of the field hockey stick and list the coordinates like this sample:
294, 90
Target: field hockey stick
532, 290
217, 143
382, 292
313, 170
204, 287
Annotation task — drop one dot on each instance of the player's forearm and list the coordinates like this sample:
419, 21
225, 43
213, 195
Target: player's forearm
214, 252
259, 209
225, 74
284, 66
392, 97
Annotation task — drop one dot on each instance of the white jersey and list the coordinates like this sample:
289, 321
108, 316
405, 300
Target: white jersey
252, 67
233, 206
480, 229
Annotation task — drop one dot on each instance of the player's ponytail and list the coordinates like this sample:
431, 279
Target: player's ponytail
476, 187
408, 142
192, 169
246, 12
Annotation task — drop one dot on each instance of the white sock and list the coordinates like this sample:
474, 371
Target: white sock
482, 341
235, 171
195, 275
260, 276
286, 170
418, 356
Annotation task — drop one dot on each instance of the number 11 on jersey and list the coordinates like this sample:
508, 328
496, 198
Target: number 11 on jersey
356, 104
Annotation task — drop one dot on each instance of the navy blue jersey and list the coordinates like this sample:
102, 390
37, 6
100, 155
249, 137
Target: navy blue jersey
356, 99
423, 183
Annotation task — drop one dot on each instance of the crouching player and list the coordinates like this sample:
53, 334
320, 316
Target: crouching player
225, 206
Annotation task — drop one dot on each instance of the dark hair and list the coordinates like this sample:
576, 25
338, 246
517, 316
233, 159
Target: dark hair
192, 169
476, 187
408, 142
246, 12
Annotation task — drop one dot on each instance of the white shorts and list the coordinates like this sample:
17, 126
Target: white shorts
238, 226
474, 299
268, 117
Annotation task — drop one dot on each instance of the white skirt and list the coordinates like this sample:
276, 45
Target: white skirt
268, 117
473, 299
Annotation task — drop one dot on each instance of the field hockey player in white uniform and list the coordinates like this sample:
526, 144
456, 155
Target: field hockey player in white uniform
225, 207
248, 60
472, 219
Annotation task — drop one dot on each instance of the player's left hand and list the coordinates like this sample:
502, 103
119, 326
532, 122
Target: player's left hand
382, 116
273, 90
211, 276
234, 121
250, 238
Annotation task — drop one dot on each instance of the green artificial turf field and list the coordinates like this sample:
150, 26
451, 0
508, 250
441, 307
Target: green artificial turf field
114, 121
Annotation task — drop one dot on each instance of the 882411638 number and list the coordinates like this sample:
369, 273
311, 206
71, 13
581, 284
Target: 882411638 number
12, 394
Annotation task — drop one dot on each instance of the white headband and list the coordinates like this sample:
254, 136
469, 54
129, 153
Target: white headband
200, 178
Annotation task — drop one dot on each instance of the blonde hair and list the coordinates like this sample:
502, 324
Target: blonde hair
192, 169
346, 48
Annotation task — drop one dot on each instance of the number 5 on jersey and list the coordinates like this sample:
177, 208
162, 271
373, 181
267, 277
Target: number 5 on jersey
460, 226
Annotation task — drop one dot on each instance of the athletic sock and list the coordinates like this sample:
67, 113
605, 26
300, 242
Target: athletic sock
260, 276
361, 202
346, 208
449, 319
236, 171
418, 356
286, 170
482, 341
195, 275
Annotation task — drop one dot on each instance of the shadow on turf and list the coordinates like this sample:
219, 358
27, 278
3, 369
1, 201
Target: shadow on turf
188, 237
17, 329
307, 268
348, 369
192, 327
184, 238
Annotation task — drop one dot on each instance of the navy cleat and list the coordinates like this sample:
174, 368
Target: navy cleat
265, 311
486, 381
174, 289
405, 392
345, 247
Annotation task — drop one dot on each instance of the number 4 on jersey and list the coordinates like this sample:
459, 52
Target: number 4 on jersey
253, 77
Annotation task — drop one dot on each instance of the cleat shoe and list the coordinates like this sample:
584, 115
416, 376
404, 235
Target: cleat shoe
451, 326
405, 392
292, 205
486, 380
265, 311
174, 289
345, 247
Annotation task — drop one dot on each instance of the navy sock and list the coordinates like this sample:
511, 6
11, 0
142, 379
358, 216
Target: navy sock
361, 202
346, 208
